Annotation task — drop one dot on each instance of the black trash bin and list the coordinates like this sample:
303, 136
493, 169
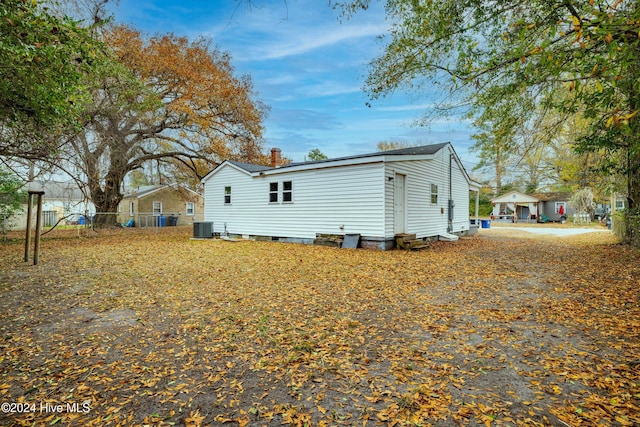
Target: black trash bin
173, 221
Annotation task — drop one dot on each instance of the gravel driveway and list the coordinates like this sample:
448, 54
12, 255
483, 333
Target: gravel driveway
560, 231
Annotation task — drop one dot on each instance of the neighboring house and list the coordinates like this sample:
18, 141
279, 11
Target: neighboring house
61, 201
514, 206
160, 205
603, 209
542, 207
554, 206
419, 190
620, 203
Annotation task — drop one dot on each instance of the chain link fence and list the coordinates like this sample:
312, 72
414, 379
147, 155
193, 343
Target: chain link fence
13, 226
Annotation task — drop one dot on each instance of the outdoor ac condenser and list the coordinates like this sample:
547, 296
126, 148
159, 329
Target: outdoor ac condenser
203, 230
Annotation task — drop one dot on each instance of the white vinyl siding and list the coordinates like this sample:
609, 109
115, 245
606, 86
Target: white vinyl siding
341, 198
424, 218
460, 195
347, 199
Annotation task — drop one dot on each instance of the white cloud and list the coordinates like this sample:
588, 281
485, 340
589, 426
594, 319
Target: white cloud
298, 44
328, 88
281, 79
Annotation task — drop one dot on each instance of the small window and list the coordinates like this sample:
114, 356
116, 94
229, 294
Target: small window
227, 195
157, 208
561, 208
287, 191
273, 192
190, 209
434, 194
132, 209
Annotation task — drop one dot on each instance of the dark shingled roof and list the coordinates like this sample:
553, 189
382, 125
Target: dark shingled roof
250, 167
422, 150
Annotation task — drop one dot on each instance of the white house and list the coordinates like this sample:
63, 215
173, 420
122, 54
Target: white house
60, 200
419, 190
513, 206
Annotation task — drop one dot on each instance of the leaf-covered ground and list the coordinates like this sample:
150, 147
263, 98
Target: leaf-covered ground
142, 328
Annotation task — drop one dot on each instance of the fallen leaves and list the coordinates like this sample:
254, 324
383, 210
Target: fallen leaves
160, 330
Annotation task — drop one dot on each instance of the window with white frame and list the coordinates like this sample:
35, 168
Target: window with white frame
287, 191
132, 209
157, 208
227, 195
273, 192
190, 209
434, 194
561, 208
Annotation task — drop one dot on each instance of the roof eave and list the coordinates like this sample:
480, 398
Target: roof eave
382, 158
219, 167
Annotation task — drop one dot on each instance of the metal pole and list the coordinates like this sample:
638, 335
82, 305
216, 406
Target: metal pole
36, 251
27, 242
477, 207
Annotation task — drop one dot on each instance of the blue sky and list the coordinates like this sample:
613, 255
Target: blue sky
308, 67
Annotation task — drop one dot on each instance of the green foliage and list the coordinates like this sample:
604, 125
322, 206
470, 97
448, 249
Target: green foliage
138, 178
484, 204
11, 194
619, 225
44, 62
316, 154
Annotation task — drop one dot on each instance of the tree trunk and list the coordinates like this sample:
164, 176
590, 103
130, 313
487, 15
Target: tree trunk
498, 170
632, 211
106, 201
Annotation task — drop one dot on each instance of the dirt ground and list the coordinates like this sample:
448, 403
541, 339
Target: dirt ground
148, 327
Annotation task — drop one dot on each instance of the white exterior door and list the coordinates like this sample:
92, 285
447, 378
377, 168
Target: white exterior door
399, 203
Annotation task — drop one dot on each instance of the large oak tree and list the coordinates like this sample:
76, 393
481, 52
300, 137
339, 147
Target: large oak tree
177, 101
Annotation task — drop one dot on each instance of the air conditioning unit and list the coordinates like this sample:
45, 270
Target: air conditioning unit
203, 230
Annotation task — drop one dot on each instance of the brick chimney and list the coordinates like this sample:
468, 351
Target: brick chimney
276, 158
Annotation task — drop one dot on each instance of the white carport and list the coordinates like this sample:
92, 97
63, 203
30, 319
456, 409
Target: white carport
514, 206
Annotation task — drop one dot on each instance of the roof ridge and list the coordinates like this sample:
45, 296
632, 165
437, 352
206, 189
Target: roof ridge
417, 150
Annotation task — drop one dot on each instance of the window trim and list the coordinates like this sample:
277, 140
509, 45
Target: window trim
434, 193
186, 209
274, 193
286, 192
132, 211
564, 207
153, 207
227, 195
